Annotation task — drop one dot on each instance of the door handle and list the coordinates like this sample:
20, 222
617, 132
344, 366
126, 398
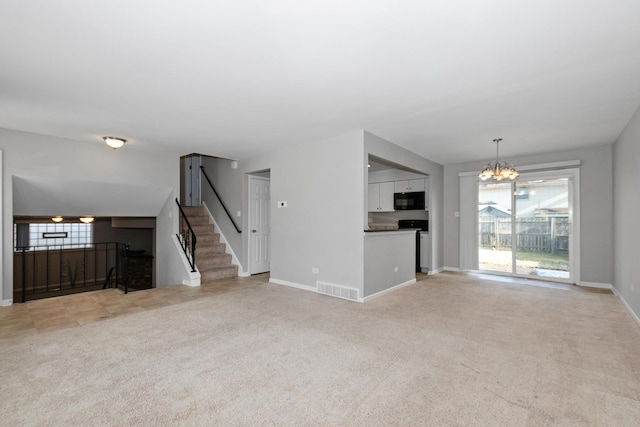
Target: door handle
253, 231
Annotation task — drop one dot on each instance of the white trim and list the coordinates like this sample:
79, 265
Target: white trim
193, 277
365, 299
191, 282
595, 285
627, 306
386, 291
455, 269
228, 248
538, 167
436, 271
292, 285
7, 302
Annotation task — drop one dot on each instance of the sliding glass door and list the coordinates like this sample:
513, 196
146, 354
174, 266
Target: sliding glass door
525, 226
495, 226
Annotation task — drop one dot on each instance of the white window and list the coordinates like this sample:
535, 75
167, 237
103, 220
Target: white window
47, 236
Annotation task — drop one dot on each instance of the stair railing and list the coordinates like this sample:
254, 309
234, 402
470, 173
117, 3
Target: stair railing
187, 238
221, 202
53, 270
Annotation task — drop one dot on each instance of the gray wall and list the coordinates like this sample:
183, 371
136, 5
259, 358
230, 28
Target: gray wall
228, 183
376, 146
626, 196
596, 208
137, 238
384, 252
50, 159
321, 228
323, 184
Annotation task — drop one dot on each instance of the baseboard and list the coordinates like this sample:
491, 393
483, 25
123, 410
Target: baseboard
456, 269
386, 291
436, 271
195, 281
627, 306
292, 284
243, 273
7, 302
596, 285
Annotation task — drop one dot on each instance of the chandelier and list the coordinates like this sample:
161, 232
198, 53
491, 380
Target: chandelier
498, 170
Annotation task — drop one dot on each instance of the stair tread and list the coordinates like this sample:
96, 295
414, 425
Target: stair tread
219, 267
213, 262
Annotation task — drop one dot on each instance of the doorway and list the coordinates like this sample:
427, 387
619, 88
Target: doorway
525, 227
190, 180
260, 224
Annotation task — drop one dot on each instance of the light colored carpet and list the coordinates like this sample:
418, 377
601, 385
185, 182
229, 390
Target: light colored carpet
449, 350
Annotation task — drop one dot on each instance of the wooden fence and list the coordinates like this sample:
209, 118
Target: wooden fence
546, 235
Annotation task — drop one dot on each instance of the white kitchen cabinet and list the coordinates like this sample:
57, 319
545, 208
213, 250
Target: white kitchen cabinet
381, 197
410, 185
425, 251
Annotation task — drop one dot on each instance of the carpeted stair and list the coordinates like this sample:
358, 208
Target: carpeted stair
211, 259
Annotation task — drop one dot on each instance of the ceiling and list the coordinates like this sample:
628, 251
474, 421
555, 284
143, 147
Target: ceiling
240, 78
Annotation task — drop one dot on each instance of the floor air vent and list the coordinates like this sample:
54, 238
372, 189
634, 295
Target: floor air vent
337, 291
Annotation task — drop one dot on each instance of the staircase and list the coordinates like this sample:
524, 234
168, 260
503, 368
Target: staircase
211, 259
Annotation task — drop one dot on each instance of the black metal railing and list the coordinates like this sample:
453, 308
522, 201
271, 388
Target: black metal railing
45, 271
220, 200
187, 238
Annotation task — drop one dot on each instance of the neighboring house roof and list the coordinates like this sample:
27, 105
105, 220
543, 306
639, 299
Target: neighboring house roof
493, 210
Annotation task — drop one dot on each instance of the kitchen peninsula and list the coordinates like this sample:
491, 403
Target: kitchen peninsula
389, 260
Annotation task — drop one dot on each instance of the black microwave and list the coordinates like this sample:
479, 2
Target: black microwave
408, 201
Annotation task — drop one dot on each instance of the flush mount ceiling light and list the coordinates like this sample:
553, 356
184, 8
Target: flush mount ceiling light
114, 142
57, 218
498, 170
87, 219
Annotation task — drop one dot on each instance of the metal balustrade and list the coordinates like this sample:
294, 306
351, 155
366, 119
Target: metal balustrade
43, 271
187, 238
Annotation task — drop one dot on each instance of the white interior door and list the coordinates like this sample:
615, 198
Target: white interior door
260, 225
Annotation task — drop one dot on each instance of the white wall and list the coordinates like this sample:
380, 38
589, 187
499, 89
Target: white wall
596, 210
57, 160
626, 199
376, 146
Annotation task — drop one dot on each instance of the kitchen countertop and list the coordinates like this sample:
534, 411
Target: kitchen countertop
399, 230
